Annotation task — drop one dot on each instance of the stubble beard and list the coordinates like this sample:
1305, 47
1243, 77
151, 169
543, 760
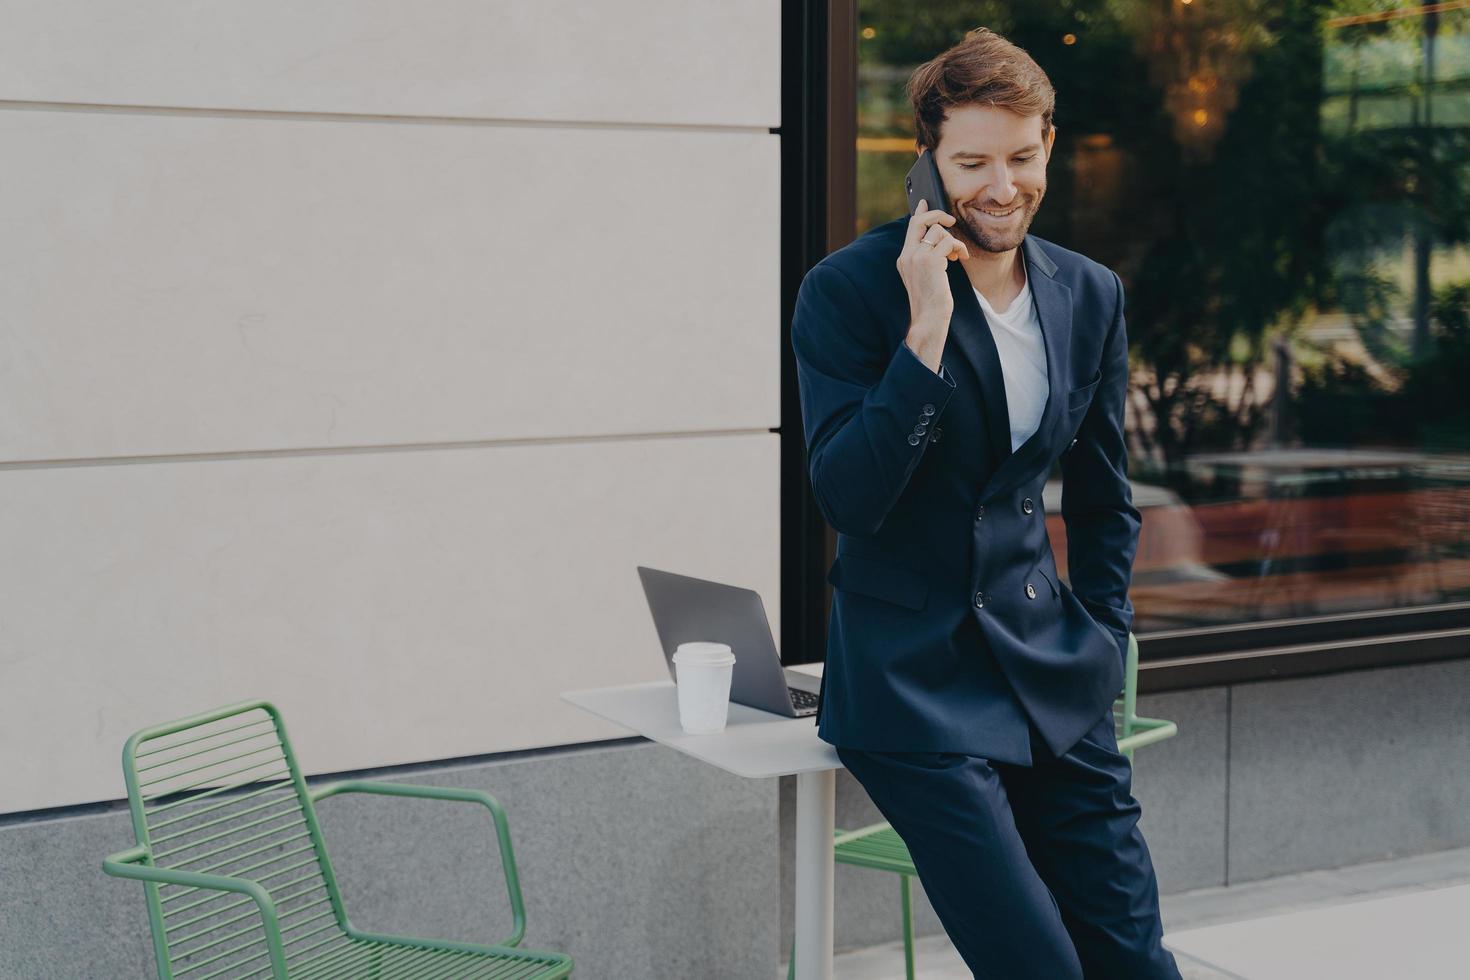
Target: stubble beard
983, 238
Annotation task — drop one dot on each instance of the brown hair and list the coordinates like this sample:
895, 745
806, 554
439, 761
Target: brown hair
983, 69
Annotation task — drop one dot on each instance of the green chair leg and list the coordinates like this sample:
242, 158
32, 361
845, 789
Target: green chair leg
791, 963
908, 927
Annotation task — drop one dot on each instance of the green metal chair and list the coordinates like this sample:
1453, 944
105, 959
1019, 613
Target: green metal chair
236, 875
879, 847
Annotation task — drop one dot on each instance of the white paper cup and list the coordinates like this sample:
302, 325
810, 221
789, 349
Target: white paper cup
702, 672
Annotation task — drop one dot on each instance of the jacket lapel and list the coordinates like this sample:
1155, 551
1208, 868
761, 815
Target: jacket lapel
1054, 309
970, 330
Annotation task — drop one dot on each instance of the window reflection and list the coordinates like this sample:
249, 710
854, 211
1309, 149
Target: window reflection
1284, 188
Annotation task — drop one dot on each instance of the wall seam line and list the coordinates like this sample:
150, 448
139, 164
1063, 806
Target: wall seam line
1229, 737
317, 451
320, 115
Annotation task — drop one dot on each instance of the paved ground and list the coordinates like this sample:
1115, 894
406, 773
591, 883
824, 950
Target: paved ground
936, 959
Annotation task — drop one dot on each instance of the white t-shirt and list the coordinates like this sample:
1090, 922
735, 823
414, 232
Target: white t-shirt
1018, 339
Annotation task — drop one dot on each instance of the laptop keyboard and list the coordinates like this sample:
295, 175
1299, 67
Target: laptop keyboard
802, 700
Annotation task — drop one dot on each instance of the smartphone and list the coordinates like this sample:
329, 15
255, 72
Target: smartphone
922, 182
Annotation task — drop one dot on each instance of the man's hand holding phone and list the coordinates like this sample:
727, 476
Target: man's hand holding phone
924, 267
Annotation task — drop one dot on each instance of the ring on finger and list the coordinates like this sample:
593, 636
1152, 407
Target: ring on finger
925, 241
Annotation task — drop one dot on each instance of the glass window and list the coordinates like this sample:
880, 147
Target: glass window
1284, 188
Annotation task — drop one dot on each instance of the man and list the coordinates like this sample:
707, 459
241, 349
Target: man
946, 361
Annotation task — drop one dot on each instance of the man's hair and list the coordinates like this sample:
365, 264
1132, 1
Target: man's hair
983, 69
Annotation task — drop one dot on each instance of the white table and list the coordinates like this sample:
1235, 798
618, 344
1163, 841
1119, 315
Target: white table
755, 744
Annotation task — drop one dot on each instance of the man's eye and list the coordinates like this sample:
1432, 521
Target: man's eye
973, 166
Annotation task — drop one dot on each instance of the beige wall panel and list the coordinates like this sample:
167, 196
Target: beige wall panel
398, 606
646, 61
180, 284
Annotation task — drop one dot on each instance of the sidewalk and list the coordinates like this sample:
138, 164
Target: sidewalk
1273, 902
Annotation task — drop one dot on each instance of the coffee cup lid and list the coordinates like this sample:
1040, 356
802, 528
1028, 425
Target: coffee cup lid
704, 654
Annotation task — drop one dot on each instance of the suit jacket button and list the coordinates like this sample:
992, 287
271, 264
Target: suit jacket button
1026, 506
980, 514
1074, 442
913, 439
1030, 591
928, 409
979, 600
937, 433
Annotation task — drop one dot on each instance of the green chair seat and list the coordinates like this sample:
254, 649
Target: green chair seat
372, 958
237, 878
879, 847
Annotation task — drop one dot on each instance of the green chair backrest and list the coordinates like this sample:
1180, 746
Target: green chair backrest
1125, 708
220, 793
1134, 730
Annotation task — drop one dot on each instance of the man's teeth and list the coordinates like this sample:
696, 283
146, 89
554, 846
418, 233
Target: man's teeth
1001, 214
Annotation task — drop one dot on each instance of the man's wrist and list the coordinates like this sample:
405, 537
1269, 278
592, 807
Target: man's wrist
925, 349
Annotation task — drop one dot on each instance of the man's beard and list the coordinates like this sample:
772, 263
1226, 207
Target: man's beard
1000, 241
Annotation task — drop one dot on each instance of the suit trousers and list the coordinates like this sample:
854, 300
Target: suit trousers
1037, 872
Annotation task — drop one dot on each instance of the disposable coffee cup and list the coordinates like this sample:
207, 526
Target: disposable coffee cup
702, 672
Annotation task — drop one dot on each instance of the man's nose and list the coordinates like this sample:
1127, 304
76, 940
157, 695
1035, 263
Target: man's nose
1003, 190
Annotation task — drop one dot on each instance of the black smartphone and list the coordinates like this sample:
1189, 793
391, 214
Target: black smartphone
922, 182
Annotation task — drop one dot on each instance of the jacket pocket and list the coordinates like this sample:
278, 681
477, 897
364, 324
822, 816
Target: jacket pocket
1078, 397
879, 580
1047, 569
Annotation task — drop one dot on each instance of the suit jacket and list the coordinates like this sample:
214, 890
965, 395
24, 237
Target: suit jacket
950, 626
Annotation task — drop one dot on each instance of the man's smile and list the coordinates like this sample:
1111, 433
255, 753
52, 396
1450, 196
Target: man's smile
999, 214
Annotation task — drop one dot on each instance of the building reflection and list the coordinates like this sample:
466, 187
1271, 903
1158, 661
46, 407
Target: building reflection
1284, 188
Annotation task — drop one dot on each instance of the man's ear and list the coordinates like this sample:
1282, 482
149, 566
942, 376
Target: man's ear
1051, 138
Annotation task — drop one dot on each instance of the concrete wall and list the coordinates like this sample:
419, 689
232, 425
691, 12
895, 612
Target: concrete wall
353, 355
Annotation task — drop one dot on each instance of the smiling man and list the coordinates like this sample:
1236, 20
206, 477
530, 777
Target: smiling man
946, 362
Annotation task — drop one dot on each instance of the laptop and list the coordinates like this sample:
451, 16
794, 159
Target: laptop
686, 609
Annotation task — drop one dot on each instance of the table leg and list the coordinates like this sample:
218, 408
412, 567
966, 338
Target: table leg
816, 814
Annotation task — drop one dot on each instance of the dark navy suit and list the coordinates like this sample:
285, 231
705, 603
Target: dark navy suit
966, 687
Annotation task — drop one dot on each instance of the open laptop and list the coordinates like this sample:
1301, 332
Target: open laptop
686, 609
